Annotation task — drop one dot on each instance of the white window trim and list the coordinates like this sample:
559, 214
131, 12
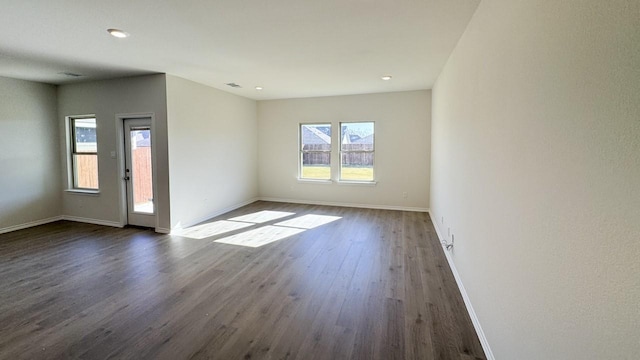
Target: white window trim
70, 152
358, 182
83, 191
316, 181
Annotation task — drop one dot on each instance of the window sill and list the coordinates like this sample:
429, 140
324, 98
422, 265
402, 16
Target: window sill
314, 181
83, 192
355, 182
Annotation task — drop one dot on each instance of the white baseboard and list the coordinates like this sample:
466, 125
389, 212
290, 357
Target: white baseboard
212, 215
331, 203
92, 221
76, 219
29, 224
467, 302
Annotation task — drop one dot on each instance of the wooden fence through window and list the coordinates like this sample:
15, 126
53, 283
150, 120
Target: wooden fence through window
353, 155
87, 167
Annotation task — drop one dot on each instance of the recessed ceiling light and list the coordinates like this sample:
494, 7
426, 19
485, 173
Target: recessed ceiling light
386, 77
258, 88
118, 33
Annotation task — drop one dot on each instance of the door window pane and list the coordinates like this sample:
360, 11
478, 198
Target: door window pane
141, 171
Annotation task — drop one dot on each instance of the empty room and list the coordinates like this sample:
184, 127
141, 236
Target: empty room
359, 179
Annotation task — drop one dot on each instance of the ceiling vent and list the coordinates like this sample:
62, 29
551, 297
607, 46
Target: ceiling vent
69, 74
233, 85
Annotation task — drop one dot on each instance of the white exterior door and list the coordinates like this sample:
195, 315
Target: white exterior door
138, 173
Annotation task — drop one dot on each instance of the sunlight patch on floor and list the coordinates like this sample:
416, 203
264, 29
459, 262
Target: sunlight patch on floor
210, 229
262, 216
308, 221
263, 234
260, 236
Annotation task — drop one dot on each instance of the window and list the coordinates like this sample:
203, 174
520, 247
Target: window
315, 151
83, 153
356, 151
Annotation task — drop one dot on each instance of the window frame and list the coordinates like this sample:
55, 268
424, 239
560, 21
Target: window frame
301, 151
372, 151
73, 152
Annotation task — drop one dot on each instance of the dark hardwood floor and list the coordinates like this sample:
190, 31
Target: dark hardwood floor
341, 283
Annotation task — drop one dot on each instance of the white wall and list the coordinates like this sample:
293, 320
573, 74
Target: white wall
212, 151
105, 99
536, 170
402, 136
29, 162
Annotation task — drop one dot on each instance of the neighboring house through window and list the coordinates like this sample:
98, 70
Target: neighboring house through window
315, 151
357, 151
83, 157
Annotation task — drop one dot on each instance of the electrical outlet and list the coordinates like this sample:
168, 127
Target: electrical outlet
448, 232
449, 246
442, 221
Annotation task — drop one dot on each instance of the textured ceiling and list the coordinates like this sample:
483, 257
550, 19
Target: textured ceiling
292, 48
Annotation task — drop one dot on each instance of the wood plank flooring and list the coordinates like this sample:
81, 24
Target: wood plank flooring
285, 281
